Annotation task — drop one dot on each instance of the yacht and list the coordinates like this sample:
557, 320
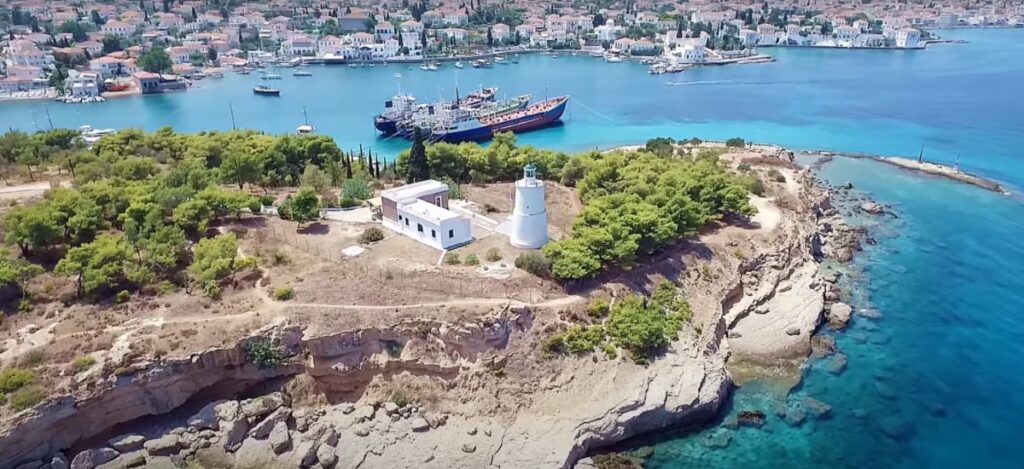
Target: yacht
302, 73
459, 64
264, 90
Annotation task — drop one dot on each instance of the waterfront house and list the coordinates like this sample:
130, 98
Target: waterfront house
384, 31
908, 38
82, 84
147, 82
12, 84
457, 35
329, 44
299, 44
26, 71
500, 32
108, 66
608, 32
420, 211
411, 26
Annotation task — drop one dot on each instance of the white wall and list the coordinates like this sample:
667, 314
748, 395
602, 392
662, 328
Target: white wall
460, 227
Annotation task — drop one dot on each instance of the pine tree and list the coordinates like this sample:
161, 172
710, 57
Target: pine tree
419, 168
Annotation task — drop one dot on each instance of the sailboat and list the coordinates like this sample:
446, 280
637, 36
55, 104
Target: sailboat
305, 129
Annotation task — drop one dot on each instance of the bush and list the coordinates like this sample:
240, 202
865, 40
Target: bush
24, 306
735, 142
776, 176
26, 398
12, 379
472, 260
493, 255
284, 293
82, 363
348, 202
357, 189
640, 327
267, 200
371, 235
754, 184
263, 353
534, 263
598, 308
577, 340
400, 398
123, 296
451, 258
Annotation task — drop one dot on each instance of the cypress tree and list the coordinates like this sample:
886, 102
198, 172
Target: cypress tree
419, 168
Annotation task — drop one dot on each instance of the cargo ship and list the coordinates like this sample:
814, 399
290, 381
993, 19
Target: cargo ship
532, 117
402, 107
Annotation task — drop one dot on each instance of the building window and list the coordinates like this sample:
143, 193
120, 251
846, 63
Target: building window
438, 200
451, 234
433, 234
399, 218
419, 227
406, 222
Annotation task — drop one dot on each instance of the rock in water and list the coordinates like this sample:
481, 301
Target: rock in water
166, 445
896, 428
872, 208
839, 314
815, 407
280, 440
127, 443
751, 418
91, 458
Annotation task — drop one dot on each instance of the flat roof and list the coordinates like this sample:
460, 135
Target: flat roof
427, 210
414, 190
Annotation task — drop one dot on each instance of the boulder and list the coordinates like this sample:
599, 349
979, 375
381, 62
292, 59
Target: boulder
59, 461
872, 208
839, 314
363, 413
347, 408
419, 424
236, 432
750, 418
468, 448
135, 459
91, 458
435, 420
256, 408
227, 410
280, 438
390, 407
327, 456
330, 437
262, 430
164, 446
206, 418
305, 452
127, 443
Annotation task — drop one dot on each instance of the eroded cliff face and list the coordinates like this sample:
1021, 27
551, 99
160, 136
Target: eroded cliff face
343, 362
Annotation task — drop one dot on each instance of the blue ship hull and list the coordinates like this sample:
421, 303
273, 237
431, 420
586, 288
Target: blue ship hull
385, 125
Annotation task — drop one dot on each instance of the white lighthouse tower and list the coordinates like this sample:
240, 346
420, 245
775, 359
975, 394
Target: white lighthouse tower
529, 216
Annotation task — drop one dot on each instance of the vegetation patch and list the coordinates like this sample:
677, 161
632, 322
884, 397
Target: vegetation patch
284, 293
371, 235
263, 353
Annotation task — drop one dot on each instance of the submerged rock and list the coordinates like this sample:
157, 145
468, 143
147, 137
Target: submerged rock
896, 428
718, 440
751, 418
839, 314
872, 208
817, 408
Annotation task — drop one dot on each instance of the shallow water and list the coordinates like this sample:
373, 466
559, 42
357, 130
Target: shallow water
936, 380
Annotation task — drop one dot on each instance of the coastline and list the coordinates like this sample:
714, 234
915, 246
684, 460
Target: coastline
923, 167
532, 414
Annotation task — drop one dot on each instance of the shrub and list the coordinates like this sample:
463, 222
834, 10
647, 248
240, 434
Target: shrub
26, 398
24, 306
641, 327
735, 142
400, 398
371, 235
776, 176
347, 202
82, 363
472, 260
598, 308
744, 167
451, 258
493, 255
577, 340
284, 293
12, 379
267, 200
263, 353
534, 263
754, 184
357, 189
123, 296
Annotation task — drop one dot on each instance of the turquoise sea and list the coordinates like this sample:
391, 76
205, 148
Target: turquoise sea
936, 380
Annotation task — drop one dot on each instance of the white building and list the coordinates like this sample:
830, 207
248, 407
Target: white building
908, 38
82, 84
420, 211
529, 215
117, 28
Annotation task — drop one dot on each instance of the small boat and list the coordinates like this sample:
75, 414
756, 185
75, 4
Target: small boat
459, 64
271, 76
612, 59
499, 59
425, 67
264, 90
398, 75
302, 73
243, 71
305, 129
481, 63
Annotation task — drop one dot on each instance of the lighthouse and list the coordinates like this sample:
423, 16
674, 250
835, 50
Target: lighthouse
529, 216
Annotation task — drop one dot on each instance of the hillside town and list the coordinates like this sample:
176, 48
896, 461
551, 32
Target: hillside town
81, 50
